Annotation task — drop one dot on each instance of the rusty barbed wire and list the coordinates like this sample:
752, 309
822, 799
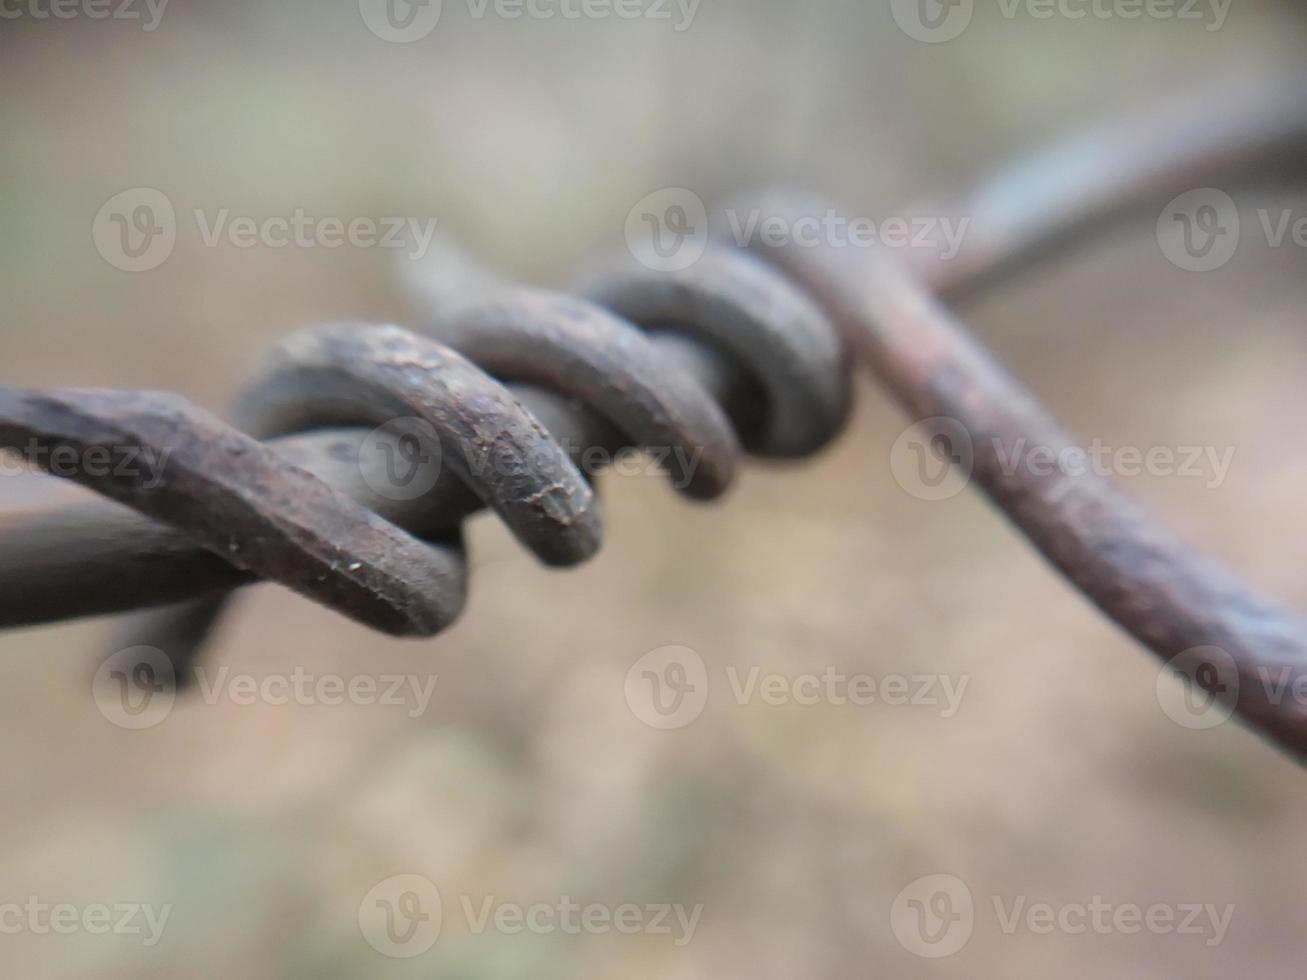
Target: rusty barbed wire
739, 350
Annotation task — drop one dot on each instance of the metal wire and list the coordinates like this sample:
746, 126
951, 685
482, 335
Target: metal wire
732, 352
583, 377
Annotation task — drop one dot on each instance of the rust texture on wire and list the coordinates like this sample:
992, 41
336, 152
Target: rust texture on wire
740, 351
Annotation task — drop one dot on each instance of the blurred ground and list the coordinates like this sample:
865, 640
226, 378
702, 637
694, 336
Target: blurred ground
528, 776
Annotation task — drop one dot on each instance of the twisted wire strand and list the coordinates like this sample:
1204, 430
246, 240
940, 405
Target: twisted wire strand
584, 377
891, 315
1177, 603
233, 496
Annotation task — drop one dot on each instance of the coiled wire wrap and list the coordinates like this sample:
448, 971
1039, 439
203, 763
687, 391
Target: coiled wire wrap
581, 377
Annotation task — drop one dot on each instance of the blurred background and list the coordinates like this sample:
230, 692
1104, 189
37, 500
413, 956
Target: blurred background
529, 777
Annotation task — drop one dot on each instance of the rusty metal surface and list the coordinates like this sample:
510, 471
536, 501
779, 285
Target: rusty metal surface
730, 300
581, 351
666, 391
357, 373
728, 332
239, 499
